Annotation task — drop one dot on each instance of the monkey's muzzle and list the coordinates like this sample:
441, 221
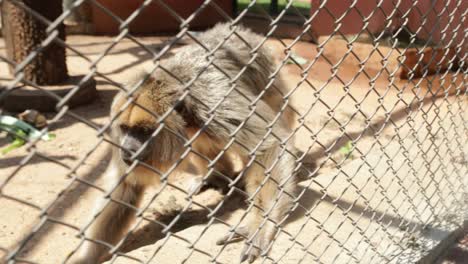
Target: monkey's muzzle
134, 148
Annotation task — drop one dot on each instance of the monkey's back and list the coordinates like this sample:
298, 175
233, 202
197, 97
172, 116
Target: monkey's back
230, 54
230, 73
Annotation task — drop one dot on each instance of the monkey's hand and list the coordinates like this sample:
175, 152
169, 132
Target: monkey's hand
194, 185
197, 184
257, 240
85, 257
76, 259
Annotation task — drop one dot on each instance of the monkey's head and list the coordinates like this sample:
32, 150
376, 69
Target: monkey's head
136, 128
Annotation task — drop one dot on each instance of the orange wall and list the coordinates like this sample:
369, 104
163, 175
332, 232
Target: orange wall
442, 16
154, 18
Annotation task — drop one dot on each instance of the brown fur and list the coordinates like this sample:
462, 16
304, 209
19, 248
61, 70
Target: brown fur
210, 116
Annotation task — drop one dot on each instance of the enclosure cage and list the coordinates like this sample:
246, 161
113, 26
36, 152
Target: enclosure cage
375, 150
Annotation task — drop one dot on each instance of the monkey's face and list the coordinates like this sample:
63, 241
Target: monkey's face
133, 128
138, 121
136, 143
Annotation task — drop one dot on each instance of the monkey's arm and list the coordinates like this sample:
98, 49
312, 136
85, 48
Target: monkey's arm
271, 184
272, 190
111, 223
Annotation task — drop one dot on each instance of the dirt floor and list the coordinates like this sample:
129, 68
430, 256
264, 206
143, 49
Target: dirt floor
353, 211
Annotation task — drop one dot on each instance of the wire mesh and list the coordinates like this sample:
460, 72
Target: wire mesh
352, 164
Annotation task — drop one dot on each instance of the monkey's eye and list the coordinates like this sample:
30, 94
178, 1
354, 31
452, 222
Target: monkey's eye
143, 130
124, 128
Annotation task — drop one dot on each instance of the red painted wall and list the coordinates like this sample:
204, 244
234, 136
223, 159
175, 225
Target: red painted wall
443, 22
154, 18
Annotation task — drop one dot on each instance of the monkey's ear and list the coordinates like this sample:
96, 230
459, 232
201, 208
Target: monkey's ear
180, 106
138, 77
184, 109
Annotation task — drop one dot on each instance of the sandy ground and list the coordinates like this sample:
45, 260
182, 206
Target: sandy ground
403, 180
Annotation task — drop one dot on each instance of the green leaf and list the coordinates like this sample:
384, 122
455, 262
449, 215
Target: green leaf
21, 133
9, 123
347, 148
18, 142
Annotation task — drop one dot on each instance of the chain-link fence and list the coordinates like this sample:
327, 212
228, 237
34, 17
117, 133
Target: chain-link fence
335, 134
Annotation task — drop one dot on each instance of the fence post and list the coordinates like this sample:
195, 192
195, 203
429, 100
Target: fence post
24, 33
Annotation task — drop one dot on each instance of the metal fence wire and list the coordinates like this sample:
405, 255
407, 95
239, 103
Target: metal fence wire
332, 146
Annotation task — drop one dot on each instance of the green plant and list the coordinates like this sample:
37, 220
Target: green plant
347, 149
20, 132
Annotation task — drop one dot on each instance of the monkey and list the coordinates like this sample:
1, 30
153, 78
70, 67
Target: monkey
223, 104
